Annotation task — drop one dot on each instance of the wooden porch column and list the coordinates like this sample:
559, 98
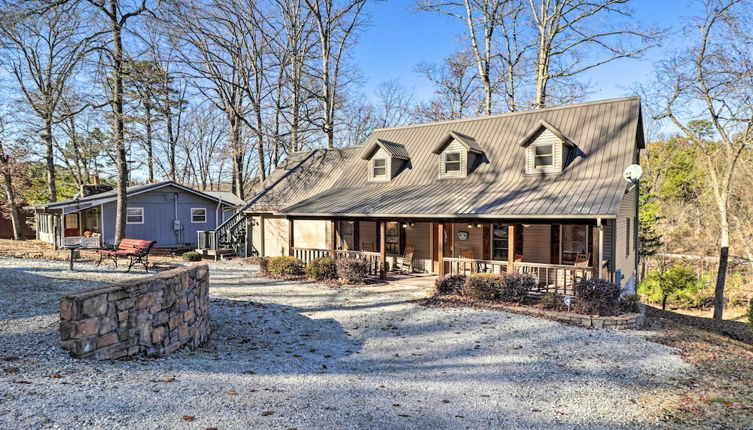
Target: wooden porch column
291, 238
511, 248
382, 249
598, 244
333, 239
440, 248
262, 248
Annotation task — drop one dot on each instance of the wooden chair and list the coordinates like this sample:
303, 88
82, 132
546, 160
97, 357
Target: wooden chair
407, 260
367, 246
467, 253
582, 259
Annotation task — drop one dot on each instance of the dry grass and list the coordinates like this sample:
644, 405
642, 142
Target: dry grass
719, 394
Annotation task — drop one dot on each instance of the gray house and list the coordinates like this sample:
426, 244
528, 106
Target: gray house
167, 212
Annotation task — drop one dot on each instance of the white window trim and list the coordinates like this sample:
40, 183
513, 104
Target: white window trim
205, 216
535, 157
132, 208
384, 177
458, 172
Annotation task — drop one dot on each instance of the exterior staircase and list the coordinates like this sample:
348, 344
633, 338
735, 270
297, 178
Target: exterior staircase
227, 240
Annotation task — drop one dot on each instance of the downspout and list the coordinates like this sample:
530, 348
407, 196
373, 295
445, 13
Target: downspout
217, 213
600, 262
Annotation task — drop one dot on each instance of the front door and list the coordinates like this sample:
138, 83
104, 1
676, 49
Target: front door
72, 227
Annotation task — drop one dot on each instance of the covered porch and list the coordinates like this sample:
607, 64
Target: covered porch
556, 254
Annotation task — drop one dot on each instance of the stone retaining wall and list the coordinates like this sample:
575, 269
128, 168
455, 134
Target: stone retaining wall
153, 315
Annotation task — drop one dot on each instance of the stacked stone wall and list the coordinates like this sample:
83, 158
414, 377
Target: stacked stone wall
153, 315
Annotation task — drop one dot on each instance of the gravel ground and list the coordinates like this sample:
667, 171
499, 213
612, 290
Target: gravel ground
294, 355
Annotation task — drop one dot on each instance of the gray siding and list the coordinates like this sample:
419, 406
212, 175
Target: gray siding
626, 246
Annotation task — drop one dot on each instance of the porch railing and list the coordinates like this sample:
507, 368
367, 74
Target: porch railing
308, 254
559, 278
466, 266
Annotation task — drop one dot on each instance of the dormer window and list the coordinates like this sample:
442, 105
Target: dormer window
452, 163
379, 168
546, 149
543, 157
386, 160
458, 155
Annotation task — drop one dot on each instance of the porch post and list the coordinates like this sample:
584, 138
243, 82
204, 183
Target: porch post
440, 248
262, 248
511, 248
598, 247
333, 239
291, 238
382, 249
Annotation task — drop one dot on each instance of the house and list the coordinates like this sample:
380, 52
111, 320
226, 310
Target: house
6, 225
167, 212
539, 192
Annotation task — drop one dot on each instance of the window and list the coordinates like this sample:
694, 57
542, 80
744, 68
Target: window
392, 238
574, 242
379, 168
135, 216
347, 234
452, 162
543, 156
499, 241
627, 237
198, 215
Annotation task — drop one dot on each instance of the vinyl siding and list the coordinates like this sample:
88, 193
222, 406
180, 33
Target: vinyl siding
475, 240
454, 146
546, 138
367, 233
419, 237
275, 236
380, 154
624, 261
537, 243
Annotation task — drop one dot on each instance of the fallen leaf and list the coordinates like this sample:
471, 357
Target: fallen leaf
403, 415
459, 416
535, 410
8, 358
267, 413
21, 382
445, 401
232, 393
188, 418
55, 376
396, 405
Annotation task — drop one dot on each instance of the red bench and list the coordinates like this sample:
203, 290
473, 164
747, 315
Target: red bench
137, 252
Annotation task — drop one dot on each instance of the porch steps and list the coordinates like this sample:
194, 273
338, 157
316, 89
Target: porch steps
217, 254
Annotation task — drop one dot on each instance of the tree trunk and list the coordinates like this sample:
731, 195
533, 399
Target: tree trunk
121, 161
235, 139
170, 137
52, 193
15, 218
149, 144
664, 302
721, 277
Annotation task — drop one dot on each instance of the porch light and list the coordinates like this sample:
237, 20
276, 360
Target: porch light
470, 226
405, 225
478, 225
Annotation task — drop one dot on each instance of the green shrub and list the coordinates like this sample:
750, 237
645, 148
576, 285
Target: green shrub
516, 286
452, 284
597, 296
750, 313
553, 302
192, 256
629, 304
322, 268
677, 284
352, 270
285, 266
483, 286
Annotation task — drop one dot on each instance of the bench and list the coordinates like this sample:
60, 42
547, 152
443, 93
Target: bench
137, 252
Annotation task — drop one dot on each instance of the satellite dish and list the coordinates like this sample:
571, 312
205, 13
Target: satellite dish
633, 173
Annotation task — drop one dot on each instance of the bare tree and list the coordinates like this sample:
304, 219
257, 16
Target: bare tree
574, 36
705, 92
336, 25
11, 169
394, 105
43, 50
457, 90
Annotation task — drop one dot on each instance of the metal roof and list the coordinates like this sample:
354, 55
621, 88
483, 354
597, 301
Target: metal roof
335, 182
226, 197
395, 150
468, 142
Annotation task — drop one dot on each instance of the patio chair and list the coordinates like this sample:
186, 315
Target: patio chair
407, 260
367, 246
582, 259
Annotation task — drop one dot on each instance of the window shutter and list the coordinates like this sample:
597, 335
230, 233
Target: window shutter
487, 242
555, 245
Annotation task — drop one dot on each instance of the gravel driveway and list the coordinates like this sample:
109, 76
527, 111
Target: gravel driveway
294, 355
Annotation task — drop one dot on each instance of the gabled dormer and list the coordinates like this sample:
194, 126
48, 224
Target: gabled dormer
385, 160
458, 154
546, 149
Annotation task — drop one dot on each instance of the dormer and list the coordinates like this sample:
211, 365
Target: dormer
385, 160
458, 154
546, 149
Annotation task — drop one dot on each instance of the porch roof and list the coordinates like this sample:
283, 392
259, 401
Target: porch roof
335, 181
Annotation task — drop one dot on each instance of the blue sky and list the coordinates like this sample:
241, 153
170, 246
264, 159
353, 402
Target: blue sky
398, 38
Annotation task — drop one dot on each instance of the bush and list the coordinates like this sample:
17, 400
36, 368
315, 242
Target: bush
285, 266
516, 286
452, 284
677, 284
483, 286
629, 304
597, 296
192, 256
352, 270
263, 263
553, 302
750, 313
322, 268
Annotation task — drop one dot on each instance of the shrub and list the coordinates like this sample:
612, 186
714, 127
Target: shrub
750, 313
516, 286
629, 304
192, 256
678, 284
597, 296
322, 268
352, 270
263, 263
553, 301
285, 266
483, 286
452, 284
